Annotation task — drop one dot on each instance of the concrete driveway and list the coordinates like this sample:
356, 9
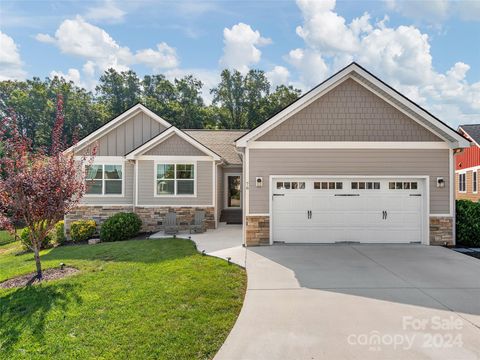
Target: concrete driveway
357, 302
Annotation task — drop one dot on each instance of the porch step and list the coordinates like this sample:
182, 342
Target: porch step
231, 216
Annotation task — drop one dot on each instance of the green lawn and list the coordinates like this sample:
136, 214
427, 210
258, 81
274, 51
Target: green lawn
6, 237
133, 299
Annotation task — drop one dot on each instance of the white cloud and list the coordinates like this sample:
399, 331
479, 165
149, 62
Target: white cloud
71, 75
100, 51
107, 11
399, 55
241, 44
436, 11
11, 65
323, 28
279, 75
311, 65
163, 58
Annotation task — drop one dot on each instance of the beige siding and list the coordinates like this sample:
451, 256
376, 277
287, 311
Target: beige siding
220, 191
433, 163
146, 180
128, 186
175, 146
349, 112
128, 136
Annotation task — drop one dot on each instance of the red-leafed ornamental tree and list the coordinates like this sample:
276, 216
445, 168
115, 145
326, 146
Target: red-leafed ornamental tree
37, 188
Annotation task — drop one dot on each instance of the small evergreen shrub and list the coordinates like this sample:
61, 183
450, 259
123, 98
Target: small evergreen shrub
27, 243
121, 226
59, 233
82, 230
468, 223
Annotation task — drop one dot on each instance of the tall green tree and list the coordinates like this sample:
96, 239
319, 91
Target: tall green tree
244, 101
118, 91
190, 108
229, 96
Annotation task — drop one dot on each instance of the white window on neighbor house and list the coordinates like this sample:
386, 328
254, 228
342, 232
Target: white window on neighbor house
475, 182
175, 180
104, 180
461, 183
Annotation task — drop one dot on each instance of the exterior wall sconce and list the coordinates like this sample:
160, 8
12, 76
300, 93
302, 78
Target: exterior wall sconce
440, 182
259, 181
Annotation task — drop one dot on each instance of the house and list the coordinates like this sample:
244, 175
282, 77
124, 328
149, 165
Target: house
352, 160
467, 165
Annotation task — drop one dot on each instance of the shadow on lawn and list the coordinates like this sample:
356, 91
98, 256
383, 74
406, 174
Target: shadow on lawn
144, 251
24, 311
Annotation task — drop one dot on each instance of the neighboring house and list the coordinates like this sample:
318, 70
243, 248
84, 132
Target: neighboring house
467, 165
350, 161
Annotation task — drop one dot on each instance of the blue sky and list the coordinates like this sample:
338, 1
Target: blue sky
426, 49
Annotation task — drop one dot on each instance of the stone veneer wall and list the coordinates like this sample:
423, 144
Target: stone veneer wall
258, 230
441, 230
152, 218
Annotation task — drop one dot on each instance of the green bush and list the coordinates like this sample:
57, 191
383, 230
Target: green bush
121, 226
82, 230
468, 223
27, 243
59, 233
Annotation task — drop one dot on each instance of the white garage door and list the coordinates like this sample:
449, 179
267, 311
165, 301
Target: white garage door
329, 210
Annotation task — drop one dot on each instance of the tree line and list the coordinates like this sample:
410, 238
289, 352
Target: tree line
240, 101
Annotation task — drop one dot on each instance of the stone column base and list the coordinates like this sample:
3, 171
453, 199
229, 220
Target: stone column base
258, 230
441, 230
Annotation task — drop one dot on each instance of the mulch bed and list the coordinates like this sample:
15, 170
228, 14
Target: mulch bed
31, 279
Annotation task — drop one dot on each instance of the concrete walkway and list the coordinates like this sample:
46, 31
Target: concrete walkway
358, 302
224, 242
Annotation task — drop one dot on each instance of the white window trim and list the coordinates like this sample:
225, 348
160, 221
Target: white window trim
464, 173
475, 181
175, 162
103, 163
225, 181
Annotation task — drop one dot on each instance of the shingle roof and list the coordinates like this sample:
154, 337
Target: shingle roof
220, 141
472, 130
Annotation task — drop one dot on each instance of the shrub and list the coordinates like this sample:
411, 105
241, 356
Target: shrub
59, 233
468, 223
82, 230
27, 243
121, 226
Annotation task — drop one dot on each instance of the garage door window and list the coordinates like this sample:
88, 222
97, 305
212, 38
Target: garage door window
405, 185
361, 185
290, 185
327, 185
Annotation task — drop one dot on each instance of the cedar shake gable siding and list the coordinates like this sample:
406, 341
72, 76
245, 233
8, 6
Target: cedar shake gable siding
349, 112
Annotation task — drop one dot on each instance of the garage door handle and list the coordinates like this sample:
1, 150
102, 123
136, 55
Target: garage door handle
347, 194
278, 194
415, 194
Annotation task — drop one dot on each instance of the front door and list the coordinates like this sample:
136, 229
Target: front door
233, 191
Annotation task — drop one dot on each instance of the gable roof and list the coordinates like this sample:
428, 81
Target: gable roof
472, 131
172, 130
220, 141
375, 85
115, 122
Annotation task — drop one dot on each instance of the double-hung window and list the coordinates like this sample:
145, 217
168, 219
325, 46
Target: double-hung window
175, 180
475, 182
461, 182
104, 179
